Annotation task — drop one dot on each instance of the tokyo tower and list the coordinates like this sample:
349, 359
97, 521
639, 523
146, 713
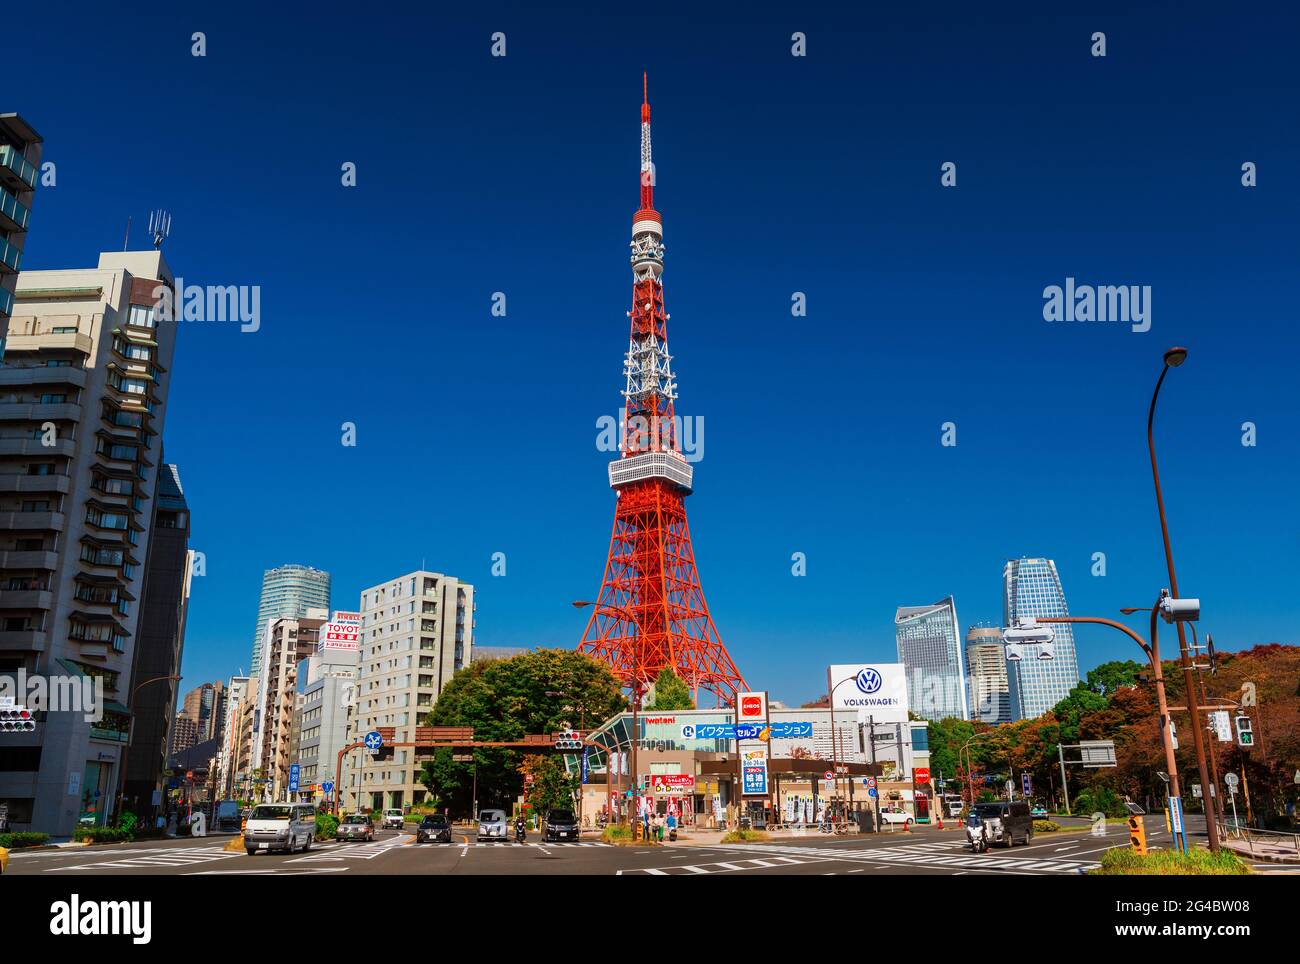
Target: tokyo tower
651, 611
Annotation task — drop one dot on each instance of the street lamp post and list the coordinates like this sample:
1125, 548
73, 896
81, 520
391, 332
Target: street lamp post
130, 735
835, 739
636, 702
1174, 357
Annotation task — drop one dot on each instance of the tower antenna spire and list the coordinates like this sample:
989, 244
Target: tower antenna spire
647, 165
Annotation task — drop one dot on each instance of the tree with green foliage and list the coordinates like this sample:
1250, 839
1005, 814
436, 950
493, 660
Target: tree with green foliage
671, 693
552, 786
542, 691
1109, 677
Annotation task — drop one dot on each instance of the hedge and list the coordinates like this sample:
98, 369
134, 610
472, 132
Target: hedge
17, 839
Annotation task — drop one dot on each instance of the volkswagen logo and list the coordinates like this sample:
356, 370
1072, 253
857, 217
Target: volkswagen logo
868, 680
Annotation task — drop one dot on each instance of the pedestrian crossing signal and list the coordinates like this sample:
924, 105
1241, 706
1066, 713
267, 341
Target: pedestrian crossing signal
1245, 732
1137, 835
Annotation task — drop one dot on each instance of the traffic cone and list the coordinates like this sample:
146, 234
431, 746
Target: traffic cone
939, 819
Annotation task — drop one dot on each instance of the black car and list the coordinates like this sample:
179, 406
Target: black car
560, 825
433, 829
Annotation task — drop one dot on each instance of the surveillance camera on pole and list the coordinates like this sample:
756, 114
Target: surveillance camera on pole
1180, 610
1027, 631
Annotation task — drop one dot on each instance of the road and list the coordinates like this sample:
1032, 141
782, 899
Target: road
926, 852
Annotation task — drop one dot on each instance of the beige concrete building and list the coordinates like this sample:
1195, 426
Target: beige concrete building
83, 396
986, 660
417, 632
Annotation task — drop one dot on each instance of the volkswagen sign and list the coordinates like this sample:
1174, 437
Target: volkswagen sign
877, 690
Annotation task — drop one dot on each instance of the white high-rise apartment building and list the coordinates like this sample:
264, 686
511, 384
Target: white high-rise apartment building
417, 632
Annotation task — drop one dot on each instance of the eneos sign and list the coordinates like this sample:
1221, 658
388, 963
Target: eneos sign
751, 707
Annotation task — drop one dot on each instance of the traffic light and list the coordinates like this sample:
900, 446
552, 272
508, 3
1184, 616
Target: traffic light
17, 719
1137, 835
1245, 732
568, 740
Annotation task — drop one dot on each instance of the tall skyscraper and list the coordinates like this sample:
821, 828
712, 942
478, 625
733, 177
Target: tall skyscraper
83, 397
929, 647
160, 643
1031, 587
20, 163
986, 662
417, 632
288, 591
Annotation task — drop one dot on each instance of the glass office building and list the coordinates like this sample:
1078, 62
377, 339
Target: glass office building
1037, 682
288, 592
929, 647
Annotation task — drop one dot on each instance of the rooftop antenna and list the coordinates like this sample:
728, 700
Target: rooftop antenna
160, 226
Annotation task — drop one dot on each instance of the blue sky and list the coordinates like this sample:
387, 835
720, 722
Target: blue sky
776, 174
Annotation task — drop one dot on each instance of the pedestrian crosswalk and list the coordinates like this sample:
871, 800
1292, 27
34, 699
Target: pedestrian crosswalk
160, 858
934, 854
720, 866
509, 843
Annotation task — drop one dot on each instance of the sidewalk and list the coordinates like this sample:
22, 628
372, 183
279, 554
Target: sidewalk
1267, 852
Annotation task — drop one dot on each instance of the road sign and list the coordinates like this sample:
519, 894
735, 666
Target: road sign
828, 775
585, 772
294, 771
871, 782
872, 793
1026, 785
1231, 780
327, 787
1221, 724
1196, 790
374, 742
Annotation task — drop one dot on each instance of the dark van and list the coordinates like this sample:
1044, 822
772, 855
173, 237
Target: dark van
1009, 822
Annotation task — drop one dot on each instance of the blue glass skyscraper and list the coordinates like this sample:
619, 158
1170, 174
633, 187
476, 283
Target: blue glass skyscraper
1031, 587
929, 647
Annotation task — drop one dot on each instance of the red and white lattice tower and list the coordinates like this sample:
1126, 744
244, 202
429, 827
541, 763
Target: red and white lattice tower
651, 611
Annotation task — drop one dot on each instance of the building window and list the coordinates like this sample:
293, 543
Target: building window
142, 316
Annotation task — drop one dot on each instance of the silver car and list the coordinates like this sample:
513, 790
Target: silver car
492, 825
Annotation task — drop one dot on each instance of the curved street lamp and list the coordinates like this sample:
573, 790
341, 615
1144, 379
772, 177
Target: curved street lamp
1174, 358
130, 735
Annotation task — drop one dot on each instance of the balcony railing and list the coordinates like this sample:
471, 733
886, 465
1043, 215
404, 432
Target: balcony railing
14, 166
13, 213
11, 258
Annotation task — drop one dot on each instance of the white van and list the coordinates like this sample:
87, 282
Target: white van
280, 826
